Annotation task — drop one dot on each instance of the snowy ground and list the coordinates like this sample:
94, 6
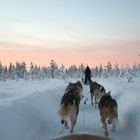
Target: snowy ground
28, 109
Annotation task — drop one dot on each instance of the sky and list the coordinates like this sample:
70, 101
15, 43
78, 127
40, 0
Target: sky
91, 32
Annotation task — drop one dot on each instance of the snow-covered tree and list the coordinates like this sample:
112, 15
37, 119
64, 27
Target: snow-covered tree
45, 72
12, 72
4, 74
109, 69
116, 70
72, 71
100, 71
62, 72
32, 74
53, 69
81, 71
1, 68
136, 70
20, 69
95, 72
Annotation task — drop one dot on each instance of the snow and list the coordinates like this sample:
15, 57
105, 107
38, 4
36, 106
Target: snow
28, 109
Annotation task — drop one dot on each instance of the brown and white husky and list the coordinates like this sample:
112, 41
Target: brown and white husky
108, 112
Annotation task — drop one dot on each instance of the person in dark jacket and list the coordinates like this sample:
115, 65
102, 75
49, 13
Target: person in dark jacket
87, 75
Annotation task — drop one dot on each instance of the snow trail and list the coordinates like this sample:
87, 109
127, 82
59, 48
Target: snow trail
33, 116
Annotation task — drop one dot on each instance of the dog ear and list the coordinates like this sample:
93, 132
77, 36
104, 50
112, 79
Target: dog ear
109, 92
79, 83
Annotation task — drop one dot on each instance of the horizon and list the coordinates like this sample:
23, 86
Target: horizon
72, 32
121, 66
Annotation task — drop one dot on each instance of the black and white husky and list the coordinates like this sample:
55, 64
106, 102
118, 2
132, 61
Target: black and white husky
69, 105
97, 91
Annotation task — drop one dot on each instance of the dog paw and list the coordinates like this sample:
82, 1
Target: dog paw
67, 127
113, 130
109, 121
102, 127
71, 131
106, 134
82, 96
62, 121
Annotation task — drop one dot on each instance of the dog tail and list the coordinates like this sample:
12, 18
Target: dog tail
116, 116
67, 109
117, 119
63, 111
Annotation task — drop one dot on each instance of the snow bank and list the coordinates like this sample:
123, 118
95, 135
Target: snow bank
28, 110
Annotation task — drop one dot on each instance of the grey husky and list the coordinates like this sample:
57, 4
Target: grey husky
69, 105
108, 112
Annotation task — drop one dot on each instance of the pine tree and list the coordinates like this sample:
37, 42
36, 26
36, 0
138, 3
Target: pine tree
116, 70
53, 68
62, 72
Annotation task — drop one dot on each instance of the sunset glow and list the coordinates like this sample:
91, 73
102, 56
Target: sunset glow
70, 32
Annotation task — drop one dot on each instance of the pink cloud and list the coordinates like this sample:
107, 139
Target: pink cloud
73, 53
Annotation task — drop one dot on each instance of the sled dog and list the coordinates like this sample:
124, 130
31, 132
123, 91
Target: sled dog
108, 112
97, 91
69, 105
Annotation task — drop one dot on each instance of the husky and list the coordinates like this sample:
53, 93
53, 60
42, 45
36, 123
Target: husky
108, 112
69, 105
97, 91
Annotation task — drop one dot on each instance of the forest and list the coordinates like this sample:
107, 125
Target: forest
20, 70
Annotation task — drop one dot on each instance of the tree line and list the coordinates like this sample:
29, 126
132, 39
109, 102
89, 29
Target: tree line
20, 71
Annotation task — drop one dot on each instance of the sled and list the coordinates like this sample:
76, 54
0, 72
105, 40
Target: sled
80, 137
